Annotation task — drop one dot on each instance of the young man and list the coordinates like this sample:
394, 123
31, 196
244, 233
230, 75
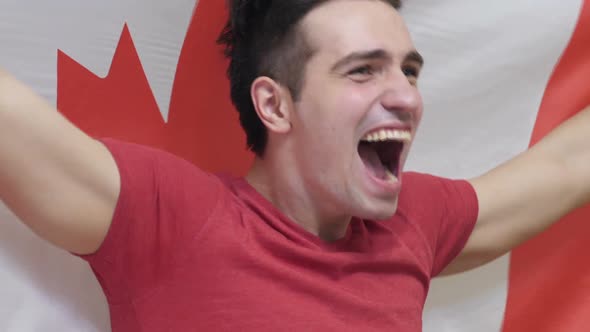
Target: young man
320, 234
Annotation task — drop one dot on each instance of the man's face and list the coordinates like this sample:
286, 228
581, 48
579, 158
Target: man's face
359, 107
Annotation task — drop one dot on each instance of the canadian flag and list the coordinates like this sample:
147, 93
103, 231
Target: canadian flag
499, 76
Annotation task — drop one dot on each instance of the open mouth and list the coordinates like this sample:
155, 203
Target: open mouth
381, 151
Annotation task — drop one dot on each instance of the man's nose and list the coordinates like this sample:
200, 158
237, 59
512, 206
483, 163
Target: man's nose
400, 94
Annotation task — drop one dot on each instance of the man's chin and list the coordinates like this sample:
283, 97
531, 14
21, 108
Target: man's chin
381, 211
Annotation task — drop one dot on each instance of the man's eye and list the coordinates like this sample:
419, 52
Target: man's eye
363, 70
411, 72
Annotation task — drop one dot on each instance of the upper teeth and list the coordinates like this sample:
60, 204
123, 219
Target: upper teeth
388, 135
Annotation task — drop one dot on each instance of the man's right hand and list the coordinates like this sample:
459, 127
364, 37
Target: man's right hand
60, 182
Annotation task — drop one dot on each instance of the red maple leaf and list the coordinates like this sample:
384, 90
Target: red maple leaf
202, 125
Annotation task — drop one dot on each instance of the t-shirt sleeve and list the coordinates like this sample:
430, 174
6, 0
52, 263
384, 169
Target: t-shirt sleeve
164, 202
445, 211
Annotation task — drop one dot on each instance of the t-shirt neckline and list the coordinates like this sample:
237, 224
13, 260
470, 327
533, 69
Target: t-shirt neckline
249, 195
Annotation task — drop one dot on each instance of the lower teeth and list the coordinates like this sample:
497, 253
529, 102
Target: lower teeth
390, 177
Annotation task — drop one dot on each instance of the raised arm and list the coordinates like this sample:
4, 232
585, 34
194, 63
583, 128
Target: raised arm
526, 195
60, 182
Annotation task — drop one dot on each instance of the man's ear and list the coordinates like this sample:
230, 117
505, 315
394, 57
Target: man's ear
273, 104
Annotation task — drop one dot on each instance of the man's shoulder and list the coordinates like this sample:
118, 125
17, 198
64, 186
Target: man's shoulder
417, 182
147, 167
422, 191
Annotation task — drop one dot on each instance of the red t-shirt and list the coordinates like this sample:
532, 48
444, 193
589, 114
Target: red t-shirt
188, 251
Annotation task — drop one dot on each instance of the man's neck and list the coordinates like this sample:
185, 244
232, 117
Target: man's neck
286, 190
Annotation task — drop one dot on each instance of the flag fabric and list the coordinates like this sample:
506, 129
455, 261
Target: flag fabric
499, 76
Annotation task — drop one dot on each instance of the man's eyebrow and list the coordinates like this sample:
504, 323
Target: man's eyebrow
414, 56
378, 54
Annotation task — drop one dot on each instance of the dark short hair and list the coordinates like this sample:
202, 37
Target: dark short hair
261, 39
